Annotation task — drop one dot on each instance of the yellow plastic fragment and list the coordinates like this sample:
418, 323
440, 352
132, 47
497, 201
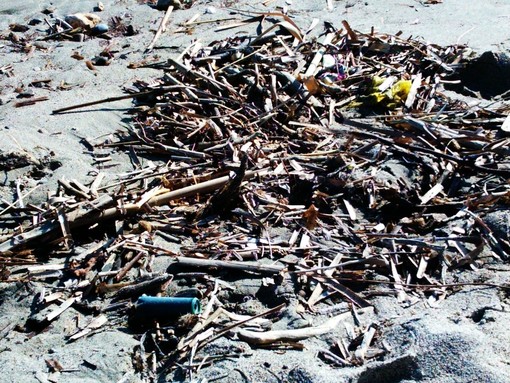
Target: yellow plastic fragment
400, 90
376, 81
391, 98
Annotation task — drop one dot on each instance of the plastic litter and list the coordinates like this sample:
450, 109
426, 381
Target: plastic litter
149, 307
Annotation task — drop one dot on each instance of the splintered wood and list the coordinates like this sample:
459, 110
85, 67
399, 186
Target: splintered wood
338, 166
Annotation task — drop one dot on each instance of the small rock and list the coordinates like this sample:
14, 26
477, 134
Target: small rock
101, 61
99, 29
487, 74
79, 37
189, 293
130, 31
328, 61
210, 10
42, 45
164, 4
83, 20
38, 320
35, 22
99, 7
48, 10
26, 93
18, 27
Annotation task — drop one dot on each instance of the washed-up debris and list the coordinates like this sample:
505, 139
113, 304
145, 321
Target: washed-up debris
99, 7
488, 75
269, 337
86, 21
30, 101
177, 4
162, 27
164, 309
94, 324
318, 167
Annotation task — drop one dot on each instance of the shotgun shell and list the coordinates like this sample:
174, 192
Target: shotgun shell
166, 307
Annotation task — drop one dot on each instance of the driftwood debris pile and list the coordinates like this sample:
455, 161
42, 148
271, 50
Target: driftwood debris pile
322, 167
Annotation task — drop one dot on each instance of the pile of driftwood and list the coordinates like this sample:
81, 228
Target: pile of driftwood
330, 165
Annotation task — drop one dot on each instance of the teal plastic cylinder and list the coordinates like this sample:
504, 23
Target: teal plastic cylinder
166, 307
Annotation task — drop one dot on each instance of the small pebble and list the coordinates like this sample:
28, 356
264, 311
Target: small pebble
82, 20
79, 37
26, 93
101, 61
99, 7
42, 45
164, 4
48, 10
130, 31
18, 27
210, 10
99, 29
35, 22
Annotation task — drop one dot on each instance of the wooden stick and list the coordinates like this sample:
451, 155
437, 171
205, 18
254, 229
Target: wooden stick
102, 101
161, 29
191, 23
13, 204
239, 323
320, 53
235, 265
143, 287
122, 272
352, 35
162, 199
60, 309
345, 291
30, 101
65, 31
93, 325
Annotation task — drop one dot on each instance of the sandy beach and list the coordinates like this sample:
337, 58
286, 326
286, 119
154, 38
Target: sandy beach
463, 338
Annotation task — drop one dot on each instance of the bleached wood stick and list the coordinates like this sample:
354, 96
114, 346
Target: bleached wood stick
60, 309
161, 29
268, 337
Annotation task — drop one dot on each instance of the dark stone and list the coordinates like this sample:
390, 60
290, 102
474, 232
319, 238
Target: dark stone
10, 161
18, 27
35, 22
404, 368
488, 74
